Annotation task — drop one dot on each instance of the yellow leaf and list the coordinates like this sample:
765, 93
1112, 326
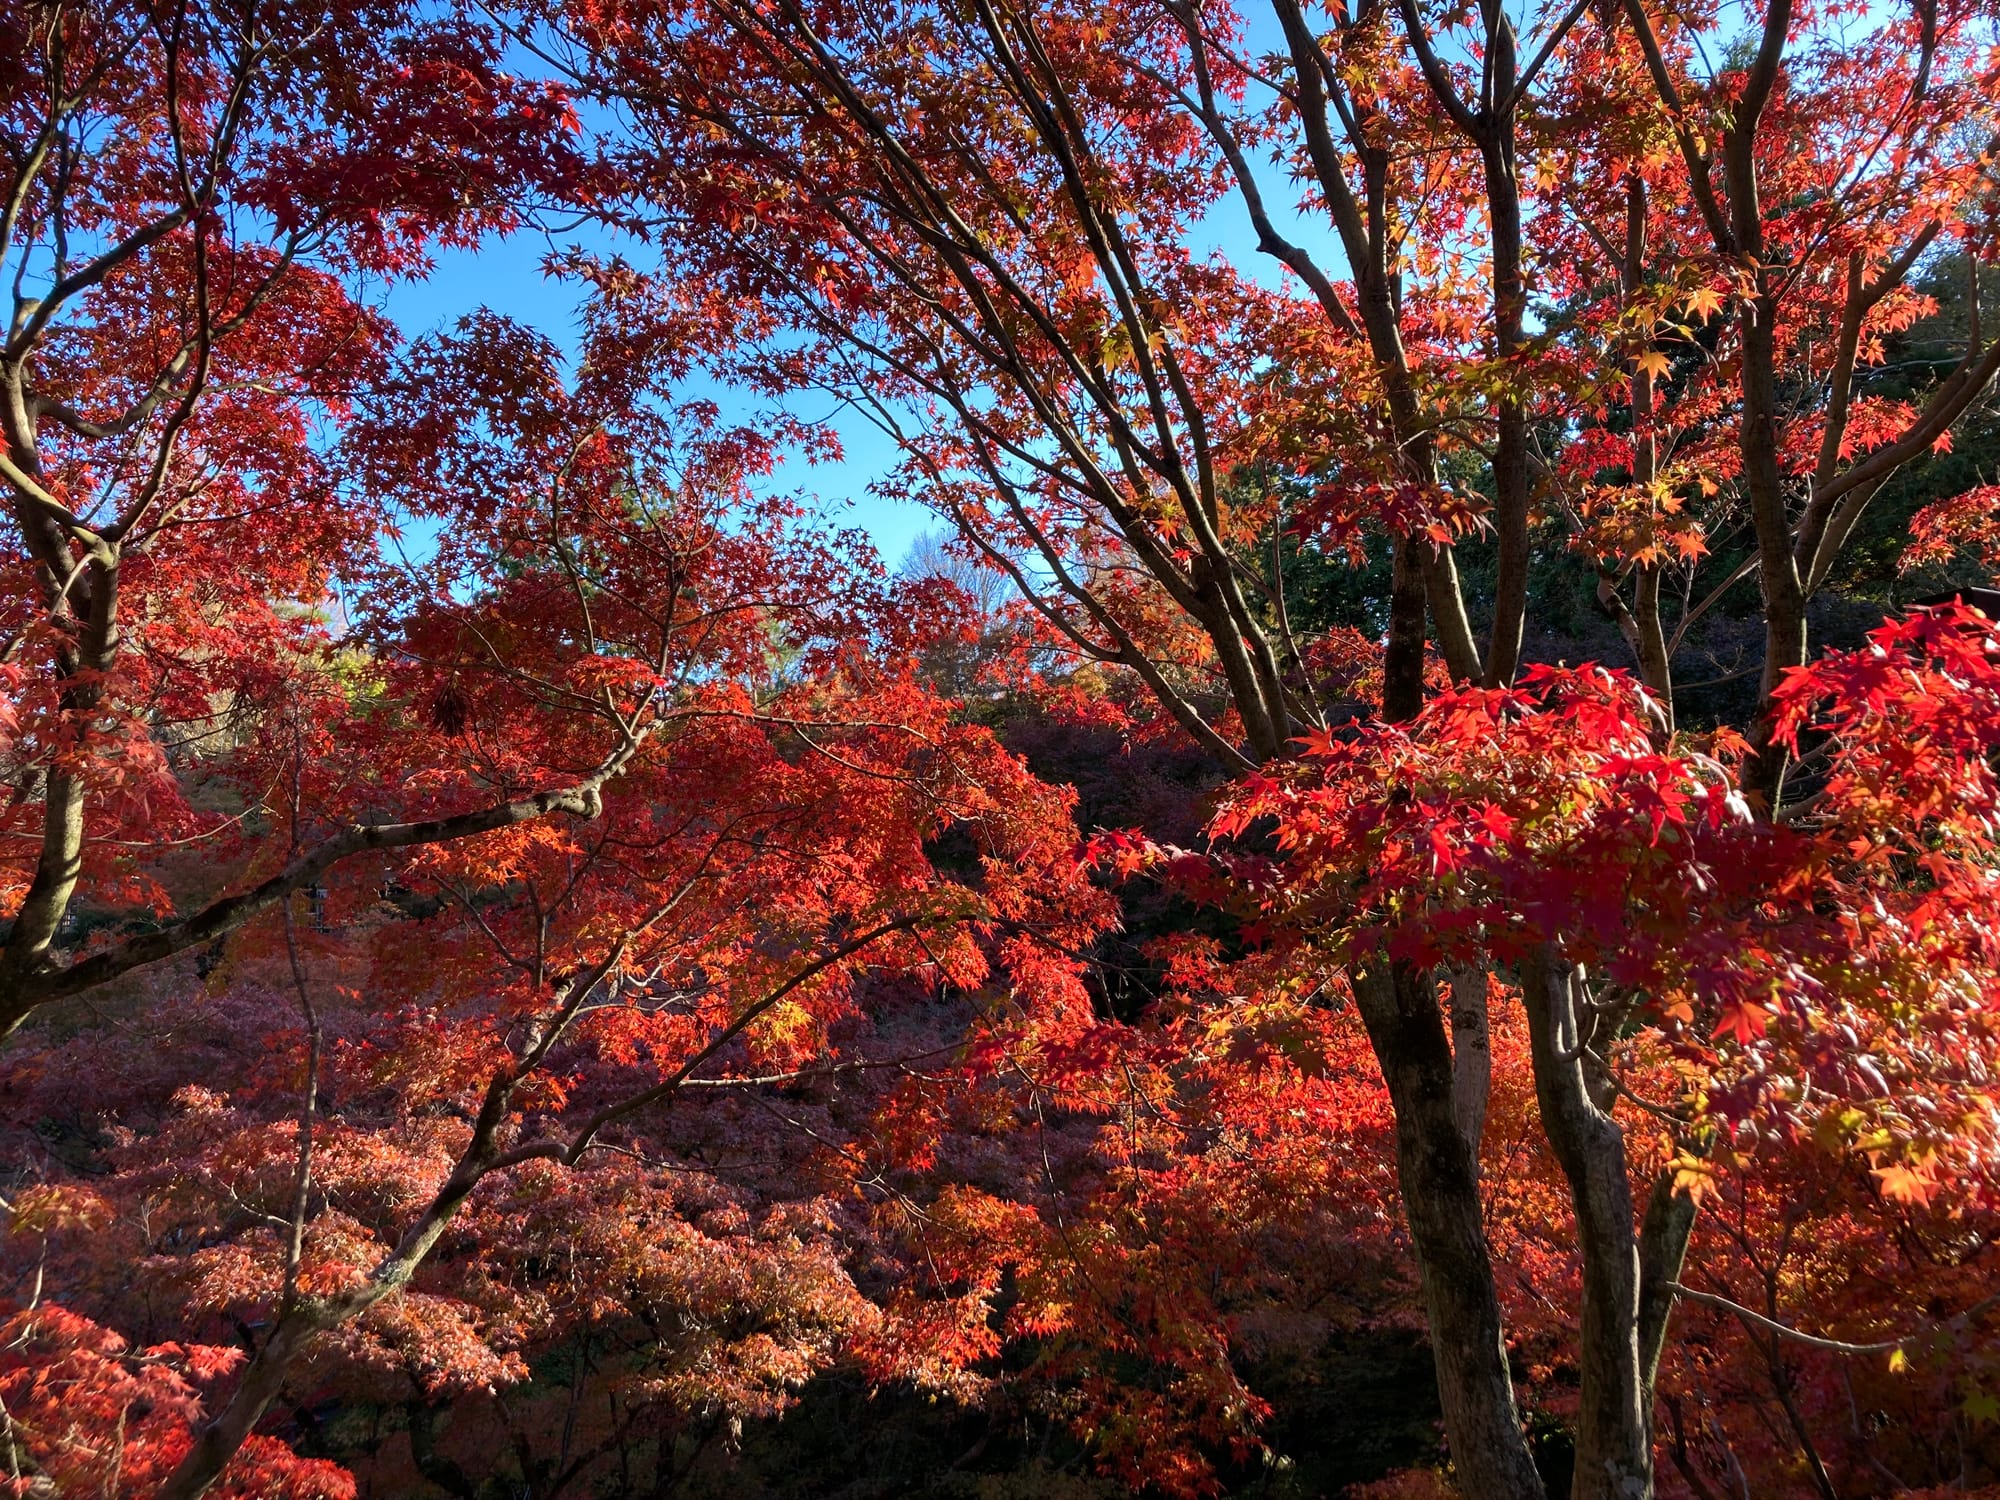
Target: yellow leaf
1703, 302
1898, 1362
1901, 1184
1653, 363
1692, 1176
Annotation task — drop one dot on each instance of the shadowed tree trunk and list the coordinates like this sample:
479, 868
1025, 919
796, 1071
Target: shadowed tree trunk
1440, 1185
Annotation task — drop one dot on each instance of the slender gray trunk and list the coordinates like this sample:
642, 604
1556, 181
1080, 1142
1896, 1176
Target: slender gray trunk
1614, 1437
1471, 1055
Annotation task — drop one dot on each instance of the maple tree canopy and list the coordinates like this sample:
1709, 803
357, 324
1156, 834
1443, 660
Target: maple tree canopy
1411, 805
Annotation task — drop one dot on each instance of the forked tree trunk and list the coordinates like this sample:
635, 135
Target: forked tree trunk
1627, 1268
1440, 1186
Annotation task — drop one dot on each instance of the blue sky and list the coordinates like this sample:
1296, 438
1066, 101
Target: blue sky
505, 275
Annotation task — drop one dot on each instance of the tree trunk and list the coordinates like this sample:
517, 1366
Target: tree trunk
1614, 1438
218, 1441
1471, 1055
1510, 306
1399, 1006
430, 1463
1663, 1242
1403, 656
298, 1325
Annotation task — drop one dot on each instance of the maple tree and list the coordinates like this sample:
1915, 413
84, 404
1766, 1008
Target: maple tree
619, 717
193, 194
